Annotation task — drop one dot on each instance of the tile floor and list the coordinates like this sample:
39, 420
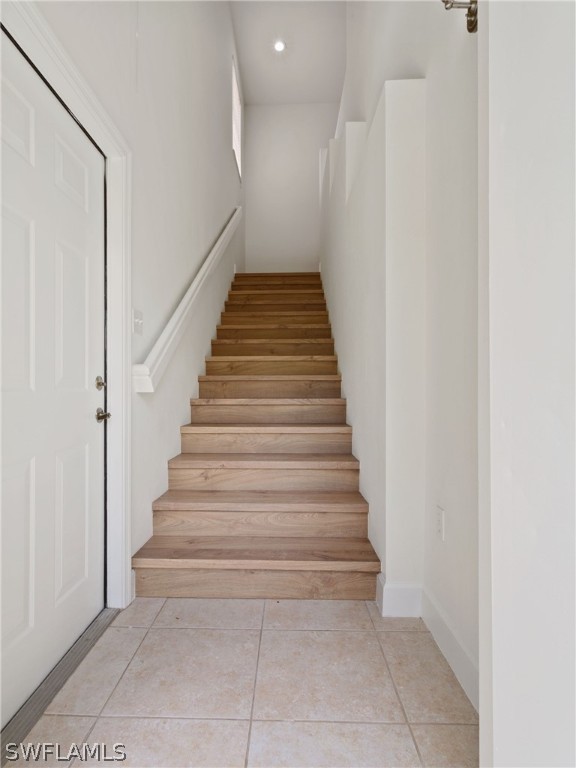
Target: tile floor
268, 684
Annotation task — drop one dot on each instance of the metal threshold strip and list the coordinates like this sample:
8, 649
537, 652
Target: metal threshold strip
16, 730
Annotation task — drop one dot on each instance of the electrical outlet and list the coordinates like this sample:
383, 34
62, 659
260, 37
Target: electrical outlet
440, 523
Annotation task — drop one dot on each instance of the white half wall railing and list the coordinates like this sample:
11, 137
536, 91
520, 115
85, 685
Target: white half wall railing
147, 375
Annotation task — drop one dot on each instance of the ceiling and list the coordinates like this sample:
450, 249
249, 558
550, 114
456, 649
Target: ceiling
312, 67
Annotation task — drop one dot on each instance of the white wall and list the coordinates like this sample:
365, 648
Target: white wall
281, 184
527, 555
149, 64
395, 41
405, 389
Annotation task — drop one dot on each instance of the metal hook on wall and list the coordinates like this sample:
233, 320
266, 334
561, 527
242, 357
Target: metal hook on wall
471, 8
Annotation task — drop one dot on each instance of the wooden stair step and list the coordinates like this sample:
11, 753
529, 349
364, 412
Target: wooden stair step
301, 385
254, 286
274, 331
263, 501
253, 347
263, 471
276, 297
258, 553
275, 292
340, 462
292, 306
249, 583
339, 524
277, 438
261, 513
268, 411
267, 317
280, 364
279, 567
270, 278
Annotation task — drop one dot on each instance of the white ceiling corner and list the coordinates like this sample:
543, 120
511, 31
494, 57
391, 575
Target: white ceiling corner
310, 70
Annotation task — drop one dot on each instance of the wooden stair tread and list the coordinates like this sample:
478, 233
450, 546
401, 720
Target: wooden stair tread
272, 326
281, 312
273, 275
265, 501
268, 401
263, 461
228, 342
257, 552
269, 429
272, 292
267, 358
272, 377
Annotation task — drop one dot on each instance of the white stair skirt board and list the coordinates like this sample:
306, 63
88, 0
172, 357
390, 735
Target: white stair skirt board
454, 651
400, 600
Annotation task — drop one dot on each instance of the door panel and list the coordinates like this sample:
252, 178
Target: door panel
52, 351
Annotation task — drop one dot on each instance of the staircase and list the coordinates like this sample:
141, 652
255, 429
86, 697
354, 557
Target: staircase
263, 501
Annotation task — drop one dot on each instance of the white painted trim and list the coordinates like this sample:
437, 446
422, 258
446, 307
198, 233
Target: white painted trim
29, 28
453, 649
398, 599
146, 375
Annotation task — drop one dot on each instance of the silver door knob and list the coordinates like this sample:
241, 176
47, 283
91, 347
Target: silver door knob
101, 415
100, 383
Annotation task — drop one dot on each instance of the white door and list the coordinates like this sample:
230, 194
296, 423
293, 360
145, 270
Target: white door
53, 307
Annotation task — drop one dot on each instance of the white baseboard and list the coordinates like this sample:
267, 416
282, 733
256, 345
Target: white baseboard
454, 651
398, 599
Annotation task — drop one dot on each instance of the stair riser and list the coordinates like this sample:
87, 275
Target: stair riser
230, 523
265, 318
231, 389
263, 479
270, 367
268, 414
322, 332
311, 585
292, 306
238, 348
266, 443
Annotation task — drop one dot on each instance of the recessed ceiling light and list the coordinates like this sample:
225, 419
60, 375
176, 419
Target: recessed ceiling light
279, 46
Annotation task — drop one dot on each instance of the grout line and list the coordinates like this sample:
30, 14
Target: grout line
269, 720
369, 613
401, 703
99, 715
265, 602
319, 629
158, 612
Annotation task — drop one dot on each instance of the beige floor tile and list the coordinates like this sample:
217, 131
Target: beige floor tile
211, 614
448, 746
172, 743
59, 730
86, 692
189, 673
427, 686
140, 613
316, 614
394, 624
331, 745
330, 676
